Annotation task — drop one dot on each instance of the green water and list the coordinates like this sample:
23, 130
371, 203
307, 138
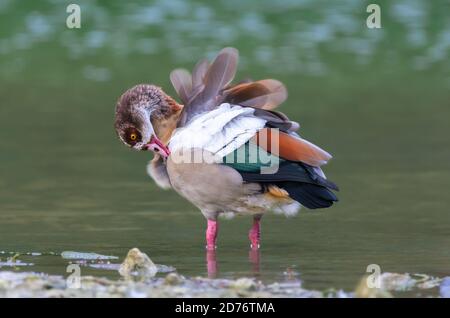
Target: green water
378, 100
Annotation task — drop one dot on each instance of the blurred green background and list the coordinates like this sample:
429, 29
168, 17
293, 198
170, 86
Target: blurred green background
377, 99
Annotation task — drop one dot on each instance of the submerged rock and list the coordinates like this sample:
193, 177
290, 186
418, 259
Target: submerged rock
137, 264
13, 261
292, 289
14, 264
426, 281
244, 284
165, 268
85, 256
103, 266
397, 282
173, 279
444, 288
363, 290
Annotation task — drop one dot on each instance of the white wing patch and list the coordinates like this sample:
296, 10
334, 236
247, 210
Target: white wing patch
220, 131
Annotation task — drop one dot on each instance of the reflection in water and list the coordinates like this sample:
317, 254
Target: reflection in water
254, 256
211, 263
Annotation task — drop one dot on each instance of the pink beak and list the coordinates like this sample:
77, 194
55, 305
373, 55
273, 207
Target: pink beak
157, 146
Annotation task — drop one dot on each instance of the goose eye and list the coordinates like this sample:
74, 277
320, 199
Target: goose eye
132, 136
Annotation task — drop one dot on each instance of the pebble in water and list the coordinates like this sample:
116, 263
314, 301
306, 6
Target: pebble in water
364, 290
137, 264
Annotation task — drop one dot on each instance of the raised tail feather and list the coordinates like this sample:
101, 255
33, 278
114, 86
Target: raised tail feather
264, 94
210, 85
204, 96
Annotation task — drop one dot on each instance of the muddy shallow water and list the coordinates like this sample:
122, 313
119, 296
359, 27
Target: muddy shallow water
378, 101
141, 277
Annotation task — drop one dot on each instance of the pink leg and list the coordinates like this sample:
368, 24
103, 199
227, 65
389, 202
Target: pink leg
254, 234
211, 234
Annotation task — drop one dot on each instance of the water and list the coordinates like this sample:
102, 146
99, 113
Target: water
378, 100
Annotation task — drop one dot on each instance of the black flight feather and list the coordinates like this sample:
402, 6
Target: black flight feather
303, 184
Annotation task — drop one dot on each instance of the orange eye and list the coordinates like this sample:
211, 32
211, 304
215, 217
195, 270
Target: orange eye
132, 136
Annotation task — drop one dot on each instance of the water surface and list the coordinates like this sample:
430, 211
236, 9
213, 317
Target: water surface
378, 100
